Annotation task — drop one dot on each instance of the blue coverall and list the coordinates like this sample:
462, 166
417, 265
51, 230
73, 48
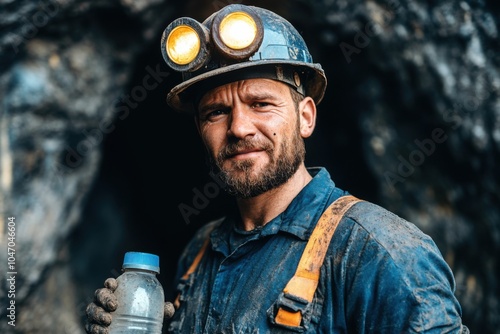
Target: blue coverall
381, 273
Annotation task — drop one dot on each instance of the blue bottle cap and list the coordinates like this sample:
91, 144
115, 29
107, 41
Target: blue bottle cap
140, 260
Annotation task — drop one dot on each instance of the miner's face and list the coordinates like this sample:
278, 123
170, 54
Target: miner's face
253, 135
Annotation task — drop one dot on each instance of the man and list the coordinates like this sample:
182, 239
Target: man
284, 261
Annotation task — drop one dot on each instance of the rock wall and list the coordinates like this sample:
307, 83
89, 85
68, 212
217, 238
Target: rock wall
91, 156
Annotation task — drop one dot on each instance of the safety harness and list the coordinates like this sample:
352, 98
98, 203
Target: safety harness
302, 286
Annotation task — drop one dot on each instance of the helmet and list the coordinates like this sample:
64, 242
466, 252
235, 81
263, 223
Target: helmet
235, 43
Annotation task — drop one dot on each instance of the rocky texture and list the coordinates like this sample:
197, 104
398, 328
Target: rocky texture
411, 121
65, 64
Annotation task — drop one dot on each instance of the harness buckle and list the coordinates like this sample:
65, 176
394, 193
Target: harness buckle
289, 311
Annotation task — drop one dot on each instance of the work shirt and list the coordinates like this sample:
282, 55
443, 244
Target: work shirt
381, 274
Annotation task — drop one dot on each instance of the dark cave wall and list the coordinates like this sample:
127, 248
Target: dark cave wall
90, 157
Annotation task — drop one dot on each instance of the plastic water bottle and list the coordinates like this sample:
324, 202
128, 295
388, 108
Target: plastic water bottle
140, 296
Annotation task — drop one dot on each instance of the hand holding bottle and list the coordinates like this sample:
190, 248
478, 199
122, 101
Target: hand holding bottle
98, 312
133, 300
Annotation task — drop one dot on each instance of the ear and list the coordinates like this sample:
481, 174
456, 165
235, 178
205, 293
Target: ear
307, 115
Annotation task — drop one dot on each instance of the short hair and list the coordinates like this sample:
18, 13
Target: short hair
296, 97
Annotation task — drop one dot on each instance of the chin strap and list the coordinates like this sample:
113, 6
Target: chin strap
301, 288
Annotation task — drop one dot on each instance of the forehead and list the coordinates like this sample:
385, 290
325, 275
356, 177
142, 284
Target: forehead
247, 88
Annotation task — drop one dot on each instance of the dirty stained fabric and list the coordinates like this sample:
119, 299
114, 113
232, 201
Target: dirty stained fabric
381, 274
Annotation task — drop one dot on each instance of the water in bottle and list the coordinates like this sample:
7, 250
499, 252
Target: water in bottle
140, 296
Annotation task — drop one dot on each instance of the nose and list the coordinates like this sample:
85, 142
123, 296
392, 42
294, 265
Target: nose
241, 122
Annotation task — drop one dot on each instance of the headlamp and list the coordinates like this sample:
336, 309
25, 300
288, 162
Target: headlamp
237, 32
184, 44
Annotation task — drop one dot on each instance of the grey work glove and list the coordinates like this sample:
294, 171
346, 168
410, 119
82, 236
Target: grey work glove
99, 311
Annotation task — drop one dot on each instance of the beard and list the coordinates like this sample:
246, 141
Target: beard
240, 178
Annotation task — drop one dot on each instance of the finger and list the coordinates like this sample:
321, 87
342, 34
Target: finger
111, 284
96, 329
97, 315
106, 299
168, 310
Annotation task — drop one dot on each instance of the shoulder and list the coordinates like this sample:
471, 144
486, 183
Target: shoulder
200, 236
204, 231
389, 230
194, 245
379, 258
377, 238
372, 236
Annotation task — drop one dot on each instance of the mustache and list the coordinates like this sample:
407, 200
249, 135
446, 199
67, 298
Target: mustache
244, 145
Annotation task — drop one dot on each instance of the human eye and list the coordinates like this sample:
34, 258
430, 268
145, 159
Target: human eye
213, 115
260, 105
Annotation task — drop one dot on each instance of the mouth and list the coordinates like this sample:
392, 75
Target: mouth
245, 150
245, 154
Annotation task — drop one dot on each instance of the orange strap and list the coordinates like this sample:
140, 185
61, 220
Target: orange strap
192, 268
303, 284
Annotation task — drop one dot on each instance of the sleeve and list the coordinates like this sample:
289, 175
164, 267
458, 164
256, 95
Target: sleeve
396, 278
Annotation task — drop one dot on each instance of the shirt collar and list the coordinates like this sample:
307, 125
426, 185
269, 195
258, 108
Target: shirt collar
299, 218
301, 215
